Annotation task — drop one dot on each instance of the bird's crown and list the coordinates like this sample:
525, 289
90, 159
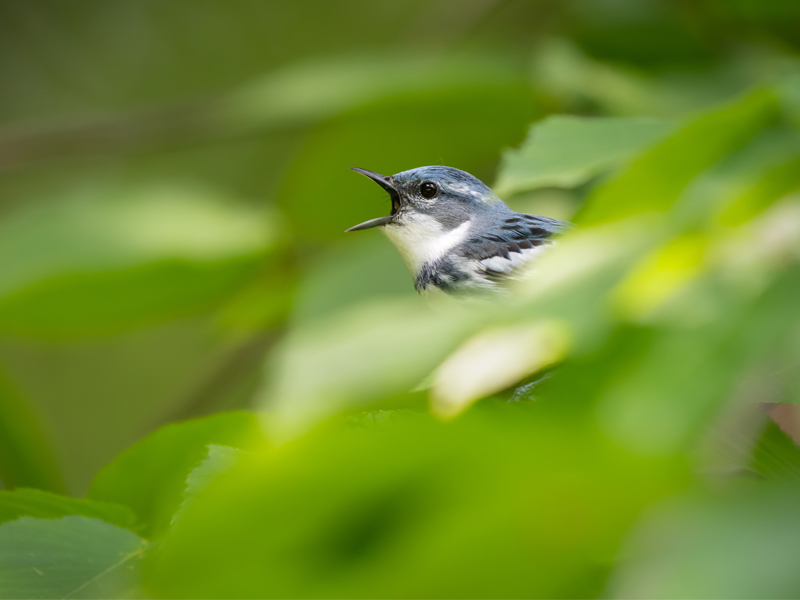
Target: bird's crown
426, 185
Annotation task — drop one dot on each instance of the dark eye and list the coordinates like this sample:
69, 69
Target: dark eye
428, 189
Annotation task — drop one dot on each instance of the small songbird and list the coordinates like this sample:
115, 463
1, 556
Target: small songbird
454, 233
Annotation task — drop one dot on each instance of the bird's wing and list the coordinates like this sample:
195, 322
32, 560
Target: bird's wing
516, 241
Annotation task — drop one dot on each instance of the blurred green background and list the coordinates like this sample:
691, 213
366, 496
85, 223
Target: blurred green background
174, 187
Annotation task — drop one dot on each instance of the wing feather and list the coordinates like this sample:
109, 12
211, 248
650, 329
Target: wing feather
513, 244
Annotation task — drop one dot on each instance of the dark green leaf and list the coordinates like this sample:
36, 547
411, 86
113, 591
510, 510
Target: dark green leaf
776, 456
150, 477
25, 456
45, 505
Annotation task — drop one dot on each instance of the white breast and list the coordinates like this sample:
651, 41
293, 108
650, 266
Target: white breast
421, 239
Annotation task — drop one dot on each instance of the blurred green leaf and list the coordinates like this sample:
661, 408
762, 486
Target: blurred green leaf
321, 197
24, 502
96, 265
740, 542
113, 226
84, 304
741, 186
26, 458
150, 477
319, 89
357, 356
567, 151
101, 395
361, 269
583, 84
71, 557
499, 503
776, 456
153, 158
775, 184
655, 181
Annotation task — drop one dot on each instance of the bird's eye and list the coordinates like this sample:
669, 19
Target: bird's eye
428, 189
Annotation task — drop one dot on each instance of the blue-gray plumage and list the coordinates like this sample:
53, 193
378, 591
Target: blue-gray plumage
454, 233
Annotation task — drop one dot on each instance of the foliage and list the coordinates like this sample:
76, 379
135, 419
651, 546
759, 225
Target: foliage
174, 190
69, 557
150, 477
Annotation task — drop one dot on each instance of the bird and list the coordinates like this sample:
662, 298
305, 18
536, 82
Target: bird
455, 234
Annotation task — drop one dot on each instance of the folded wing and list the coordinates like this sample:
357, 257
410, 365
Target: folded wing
517, 241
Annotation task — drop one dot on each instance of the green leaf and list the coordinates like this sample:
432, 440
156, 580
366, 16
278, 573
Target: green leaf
365, 353
116, 226
775, 184
150, 477
736, 543
71, 557
45, 505
288, 96
219, 460
566, 151
105, 260
26, 458
748, 181
499, 503
90, 304
776, 456
655, 181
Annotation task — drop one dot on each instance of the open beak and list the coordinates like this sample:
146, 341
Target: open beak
385, 183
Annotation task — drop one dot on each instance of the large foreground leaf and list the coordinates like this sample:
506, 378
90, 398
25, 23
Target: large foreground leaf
499, 503
72, 557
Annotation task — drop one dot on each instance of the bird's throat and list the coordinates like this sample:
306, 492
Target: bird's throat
421, 239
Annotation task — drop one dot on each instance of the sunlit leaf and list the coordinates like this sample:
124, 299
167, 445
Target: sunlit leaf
357, 356
493, 360
220, 459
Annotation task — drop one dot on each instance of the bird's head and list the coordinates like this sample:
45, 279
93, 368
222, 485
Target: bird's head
448, 196
434, 209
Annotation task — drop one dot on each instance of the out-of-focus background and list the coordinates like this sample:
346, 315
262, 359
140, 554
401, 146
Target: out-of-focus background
174, 188
174, 175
